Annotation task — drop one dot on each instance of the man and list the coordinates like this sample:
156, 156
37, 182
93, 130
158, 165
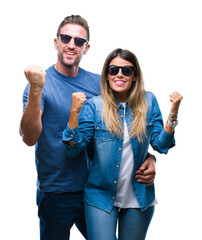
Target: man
47, 104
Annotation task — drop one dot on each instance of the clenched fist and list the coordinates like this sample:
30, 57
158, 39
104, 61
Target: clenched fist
175, 98
78, 99
36, 77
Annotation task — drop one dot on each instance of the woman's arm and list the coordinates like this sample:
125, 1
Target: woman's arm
175, 98
162, 138
80, 128
78, 100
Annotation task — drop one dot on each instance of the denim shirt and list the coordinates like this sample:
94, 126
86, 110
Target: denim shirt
101, 187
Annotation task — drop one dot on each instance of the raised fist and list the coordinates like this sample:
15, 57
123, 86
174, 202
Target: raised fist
175, 98
78, 99
36, 76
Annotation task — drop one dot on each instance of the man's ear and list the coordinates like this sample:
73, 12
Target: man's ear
56, 43
86, 50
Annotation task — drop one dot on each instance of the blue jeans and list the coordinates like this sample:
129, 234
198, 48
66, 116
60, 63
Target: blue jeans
132, 223
58, 212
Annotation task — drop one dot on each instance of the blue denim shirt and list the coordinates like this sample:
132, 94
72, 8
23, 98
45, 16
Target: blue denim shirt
101, 186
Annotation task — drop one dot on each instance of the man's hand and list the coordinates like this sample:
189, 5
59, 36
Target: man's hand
147, 172
31, 125
36, 77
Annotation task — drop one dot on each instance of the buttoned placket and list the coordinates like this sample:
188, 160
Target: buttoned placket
119, 154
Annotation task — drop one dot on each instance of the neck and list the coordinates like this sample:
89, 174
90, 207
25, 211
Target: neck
122, 98
67, 70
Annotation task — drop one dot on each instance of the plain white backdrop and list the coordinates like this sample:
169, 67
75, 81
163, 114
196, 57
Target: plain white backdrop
166, 38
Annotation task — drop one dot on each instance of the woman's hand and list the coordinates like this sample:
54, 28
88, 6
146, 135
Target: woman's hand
78, 99
175, 98
170, 125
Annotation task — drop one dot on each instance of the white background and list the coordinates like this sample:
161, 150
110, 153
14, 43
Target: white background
166, 37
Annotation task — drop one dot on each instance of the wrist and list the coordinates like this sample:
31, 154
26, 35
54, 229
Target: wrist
73, 119
74, 112
35, 90
172, 116
149, 155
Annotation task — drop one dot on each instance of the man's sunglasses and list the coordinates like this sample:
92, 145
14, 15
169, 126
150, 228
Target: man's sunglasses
126, 70
79, 42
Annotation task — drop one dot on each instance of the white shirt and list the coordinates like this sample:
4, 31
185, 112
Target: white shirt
125, 197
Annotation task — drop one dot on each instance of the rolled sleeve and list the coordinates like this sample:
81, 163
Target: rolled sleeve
70, 134
164, 142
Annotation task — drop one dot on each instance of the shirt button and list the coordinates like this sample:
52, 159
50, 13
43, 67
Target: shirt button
97, 128
121, 116
119, 149
71, 135
113, 197
117, 166
115, 182
134, 147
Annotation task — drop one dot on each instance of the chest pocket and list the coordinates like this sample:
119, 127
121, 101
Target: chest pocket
102, 134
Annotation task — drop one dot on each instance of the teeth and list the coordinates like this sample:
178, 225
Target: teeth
120, 82
69, 53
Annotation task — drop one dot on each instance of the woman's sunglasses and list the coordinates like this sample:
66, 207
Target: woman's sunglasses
79, 42
126, 70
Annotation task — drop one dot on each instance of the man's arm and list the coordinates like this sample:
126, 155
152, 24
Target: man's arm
147, 171
31, 125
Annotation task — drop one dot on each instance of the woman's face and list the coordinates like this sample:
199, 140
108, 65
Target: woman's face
120, 83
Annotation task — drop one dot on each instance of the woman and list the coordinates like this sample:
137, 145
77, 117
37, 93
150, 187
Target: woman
123, 121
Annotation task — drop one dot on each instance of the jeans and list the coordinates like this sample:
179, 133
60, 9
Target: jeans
132, 223
58, 212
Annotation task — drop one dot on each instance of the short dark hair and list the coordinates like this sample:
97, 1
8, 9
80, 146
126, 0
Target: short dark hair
75, 19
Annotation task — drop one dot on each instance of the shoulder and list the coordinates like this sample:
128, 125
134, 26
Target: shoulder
150, 98
90, 75
95, 101
50, 70
92, 106
149, 95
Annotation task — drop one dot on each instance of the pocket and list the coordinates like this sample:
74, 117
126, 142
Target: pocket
102, 134
41, 203
104, 145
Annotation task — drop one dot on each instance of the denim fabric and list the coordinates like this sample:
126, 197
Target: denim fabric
101, 186
132, 223
58, 212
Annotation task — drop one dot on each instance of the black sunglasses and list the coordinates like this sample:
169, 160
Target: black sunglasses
126, 70
79, 42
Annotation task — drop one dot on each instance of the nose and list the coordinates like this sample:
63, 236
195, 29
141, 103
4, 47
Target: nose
71, 44
120, 74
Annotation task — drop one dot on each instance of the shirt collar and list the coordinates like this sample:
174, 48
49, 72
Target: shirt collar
120, 105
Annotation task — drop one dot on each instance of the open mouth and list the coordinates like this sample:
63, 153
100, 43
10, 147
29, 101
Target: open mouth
69, 53
119, 82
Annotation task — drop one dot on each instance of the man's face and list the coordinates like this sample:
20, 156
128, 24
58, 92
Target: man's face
69, 54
